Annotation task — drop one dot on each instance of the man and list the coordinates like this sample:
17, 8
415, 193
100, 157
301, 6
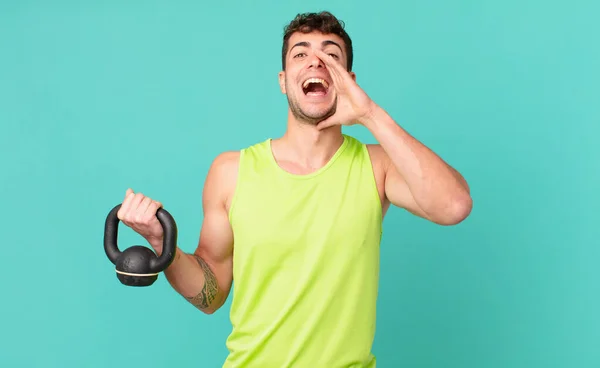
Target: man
297, 220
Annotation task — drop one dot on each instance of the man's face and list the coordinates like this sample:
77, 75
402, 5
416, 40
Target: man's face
306, 81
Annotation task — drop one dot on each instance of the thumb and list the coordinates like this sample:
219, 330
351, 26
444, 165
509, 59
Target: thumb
329, 122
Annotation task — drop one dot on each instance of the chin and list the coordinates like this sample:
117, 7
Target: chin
313, 114
318, 113
310, 109
318, 108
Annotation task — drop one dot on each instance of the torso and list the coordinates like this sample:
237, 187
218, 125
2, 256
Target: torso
306, 256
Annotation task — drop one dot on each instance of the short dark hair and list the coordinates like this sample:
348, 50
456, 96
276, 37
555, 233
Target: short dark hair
323, 22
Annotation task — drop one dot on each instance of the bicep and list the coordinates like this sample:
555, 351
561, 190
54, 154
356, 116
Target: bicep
215, 245
216, 236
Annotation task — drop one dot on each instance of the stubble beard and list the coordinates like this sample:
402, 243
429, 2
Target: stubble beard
303, 117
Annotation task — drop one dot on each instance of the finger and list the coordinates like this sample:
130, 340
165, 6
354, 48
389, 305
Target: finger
331, 64
143, 209
325, 124
126, 204
135, 203
338, 73
152, 209
327, 59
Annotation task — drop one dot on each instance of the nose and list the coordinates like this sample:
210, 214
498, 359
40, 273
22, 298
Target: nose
315, 62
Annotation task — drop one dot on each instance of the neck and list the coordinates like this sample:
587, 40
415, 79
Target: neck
306, 146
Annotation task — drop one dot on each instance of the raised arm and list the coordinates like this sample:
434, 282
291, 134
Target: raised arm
415, 177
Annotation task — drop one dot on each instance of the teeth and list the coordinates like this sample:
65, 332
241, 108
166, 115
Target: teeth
315, 80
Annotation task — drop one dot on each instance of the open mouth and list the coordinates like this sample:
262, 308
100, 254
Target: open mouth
315, 87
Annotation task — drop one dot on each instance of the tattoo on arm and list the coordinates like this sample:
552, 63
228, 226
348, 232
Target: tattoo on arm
208, 293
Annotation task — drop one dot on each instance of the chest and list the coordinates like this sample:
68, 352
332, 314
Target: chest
283, 220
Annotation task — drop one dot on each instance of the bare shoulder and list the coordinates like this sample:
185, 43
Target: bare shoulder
379, 159
226, 162
378, 155
222, 177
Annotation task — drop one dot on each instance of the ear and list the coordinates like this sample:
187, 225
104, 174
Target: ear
282, 81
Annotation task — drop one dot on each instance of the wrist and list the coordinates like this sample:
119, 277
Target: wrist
373, 114
179, 256
156, 244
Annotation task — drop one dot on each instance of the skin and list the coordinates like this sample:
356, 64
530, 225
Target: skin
408, 174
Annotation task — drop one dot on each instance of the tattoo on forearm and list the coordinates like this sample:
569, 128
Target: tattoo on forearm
208, 293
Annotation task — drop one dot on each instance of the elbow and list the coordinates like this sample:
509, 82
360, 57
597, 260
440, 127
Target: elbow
207, 310
213, 307
459, 209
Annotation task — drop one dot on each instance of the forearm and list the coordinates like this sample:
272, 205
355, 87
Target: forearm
437, 188
193, 278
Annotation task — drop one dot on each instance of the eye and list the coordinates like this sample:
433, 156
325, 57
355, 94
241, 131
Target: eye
334, 56
300, 54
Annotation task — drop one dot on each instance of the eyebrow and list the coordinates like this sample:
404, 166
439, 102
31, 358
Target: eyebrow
323, 44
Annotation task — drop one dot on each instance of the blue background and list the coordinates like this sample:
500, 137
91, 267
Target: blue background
96, 97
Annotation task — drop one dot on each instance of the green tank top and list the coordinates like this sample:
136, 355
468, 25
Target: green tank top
305, 263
